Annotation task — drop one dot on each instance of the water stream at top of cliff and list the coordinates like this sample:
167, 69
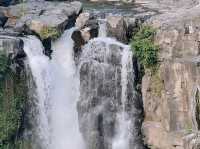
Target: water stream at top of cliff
56, 84
57, 90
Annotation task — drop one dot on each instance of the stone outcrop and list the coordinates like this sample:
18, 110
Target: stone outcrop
116, 27
88, 25
44, 18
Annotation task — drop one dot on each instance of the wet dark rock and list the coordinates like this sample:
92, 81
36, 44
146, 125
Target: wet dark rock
88, 25
3, 19
47, 47
78, 42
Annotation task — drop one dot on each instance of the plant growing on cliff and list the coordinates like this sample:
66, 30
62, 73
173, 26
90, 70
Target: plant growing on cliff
51, 32
144, 48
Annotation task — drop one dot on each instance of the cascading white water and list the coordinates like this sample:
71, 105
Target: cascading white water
102, 28
121, 140
57, 88
123, 124
64, 118
41, 72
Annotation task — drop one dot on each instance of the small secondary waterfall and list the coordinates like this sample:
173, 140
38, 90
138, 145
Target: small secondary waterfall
121, 140
107, 106
41, 72
57, 91
102, 28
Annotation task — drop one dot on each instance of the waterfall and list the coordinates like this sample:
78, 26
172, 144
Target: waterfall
107, 102
102, 28
41, 72
57, 91
121, 140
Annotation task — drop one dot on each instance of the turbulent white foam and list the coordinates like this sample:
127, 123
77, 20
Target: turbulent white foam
57, 88
65, 130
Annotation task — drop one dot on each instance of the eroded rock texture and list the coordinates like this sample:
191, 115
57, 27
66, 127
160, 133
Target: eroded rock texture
171, 95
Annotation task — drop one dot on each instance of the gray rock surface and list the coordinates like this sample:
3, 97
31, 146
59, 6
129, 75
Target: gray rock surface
171, 105
37, 15
171, 96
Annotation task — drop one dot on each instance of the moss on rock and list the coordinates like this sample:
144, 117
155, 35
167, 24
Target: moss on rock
51, 32
13, 94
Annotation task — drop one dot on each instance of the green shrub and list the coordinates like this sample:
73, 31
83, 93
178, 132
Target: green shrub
47, 32
144, 48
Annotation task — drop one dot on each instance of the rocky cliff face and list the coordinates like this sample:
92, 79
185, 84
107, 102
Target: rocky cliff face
171, 95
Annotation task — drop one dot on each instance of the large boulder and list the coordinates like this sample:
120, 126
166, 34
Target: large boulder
116, 27
43, 18
87, 23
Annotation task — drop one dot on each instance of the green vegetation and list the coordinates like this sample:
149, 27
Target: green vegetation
47, 32
144, 48
12, 103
